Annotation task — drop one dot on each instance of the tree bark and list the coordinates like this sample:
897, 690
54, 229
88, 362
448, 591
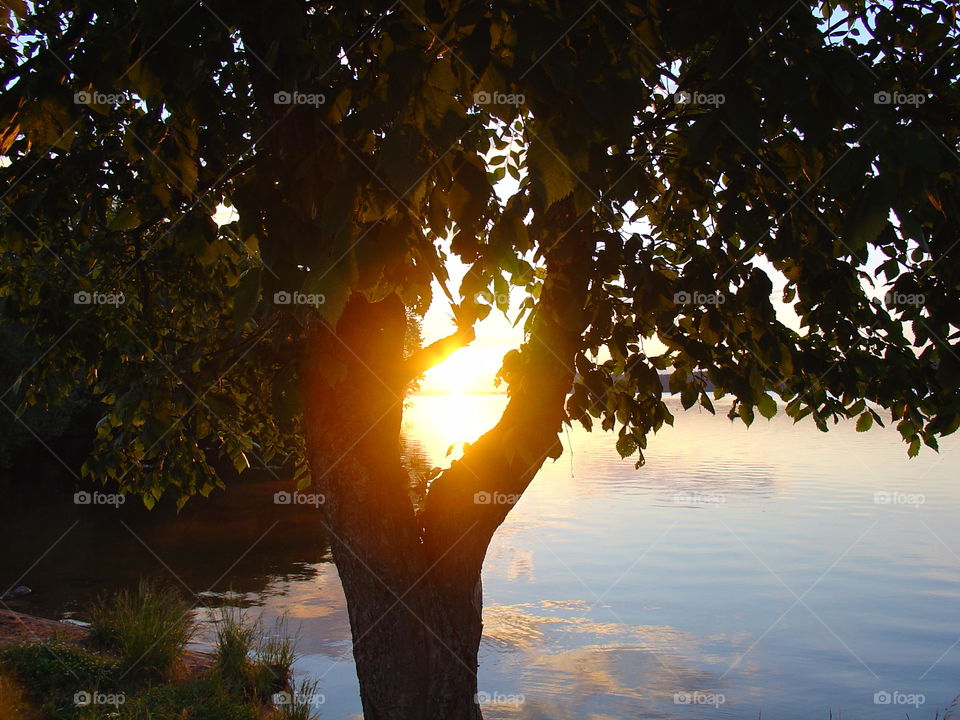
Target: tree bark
412, 580
415, 638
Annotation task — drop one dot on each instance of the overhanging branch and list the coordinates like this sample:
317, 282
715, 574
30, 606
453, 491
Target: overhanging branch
436, 352
479, 490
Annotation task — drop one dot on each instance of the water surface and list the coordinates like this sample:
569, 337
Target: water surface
775, 570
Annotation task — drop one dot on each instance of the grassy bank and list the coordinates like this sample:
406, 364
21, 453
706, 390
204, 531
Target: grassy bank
131, 666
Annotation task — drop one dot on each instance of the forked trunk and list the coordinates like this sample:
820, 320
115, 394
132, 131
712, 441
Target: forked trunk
416, 623
412, 579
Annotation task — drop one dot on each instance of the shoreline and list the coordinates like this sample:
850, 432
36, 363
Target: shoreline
17, 628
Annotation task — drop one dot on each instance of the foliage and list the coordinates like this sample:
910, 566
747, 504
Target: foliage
149, 628
251, 666
46, 423
53, 672
813, 145
203, 699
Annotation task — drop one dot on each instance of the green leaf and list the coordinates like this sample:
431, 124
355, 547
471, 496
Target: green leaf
240, 461
864, 422
767, 406
552, 178
247, 297
501, 291
914, 448
332, 287
128, 217
626, 445
868, 220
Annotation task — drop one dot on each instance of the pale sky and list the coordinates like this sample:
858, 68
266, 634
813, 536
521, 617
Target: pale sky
470, 369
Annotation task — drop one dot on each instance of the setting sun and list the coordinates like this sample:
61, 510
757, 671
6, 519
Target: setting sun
468, 370
472, 368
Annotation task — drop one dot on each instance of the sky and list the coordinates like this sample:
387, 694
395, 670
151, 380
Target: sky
470, 369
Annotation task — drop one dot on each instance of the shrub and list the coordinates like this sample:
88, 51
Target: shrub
52, 673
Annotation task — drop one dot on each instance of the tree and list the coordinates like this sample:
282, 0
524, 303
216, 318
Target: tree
671, 161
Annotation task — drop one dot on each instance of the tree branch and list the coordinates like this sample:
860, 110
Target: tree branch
479, 490
436, 352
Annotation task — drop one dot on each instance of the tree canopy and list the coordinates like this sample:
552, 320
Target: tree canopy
700, 153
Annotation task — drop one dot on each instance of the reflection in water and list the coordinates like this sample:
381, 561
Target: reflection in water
610, 668
239, 541
608, 590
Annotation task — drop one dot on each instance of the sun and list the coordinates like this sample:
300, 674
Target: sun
468, 370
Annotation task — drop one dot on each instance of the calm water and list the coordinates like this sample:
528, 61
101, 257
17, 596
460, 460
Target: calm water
740, 572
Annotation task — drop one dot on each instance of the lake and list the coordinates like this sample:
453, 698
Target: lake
775, 571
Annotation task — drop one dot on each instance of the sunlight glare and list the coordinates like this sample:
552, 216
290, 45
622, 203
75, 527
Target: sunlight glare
442, 422
468, 370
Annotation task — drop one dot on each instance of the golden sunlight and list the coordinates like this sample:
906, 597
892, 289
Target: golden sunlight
443, 422
468, 370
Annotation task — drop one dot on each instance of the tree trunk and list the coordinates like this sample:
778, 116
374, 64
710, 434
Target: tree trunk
416, 652
412, 579
415, 649
415, 633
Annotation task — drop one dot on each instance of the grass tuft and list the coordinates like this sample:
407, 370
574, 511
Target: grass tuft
276, 654
237, 637
250, 661
149, 628
301, 702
